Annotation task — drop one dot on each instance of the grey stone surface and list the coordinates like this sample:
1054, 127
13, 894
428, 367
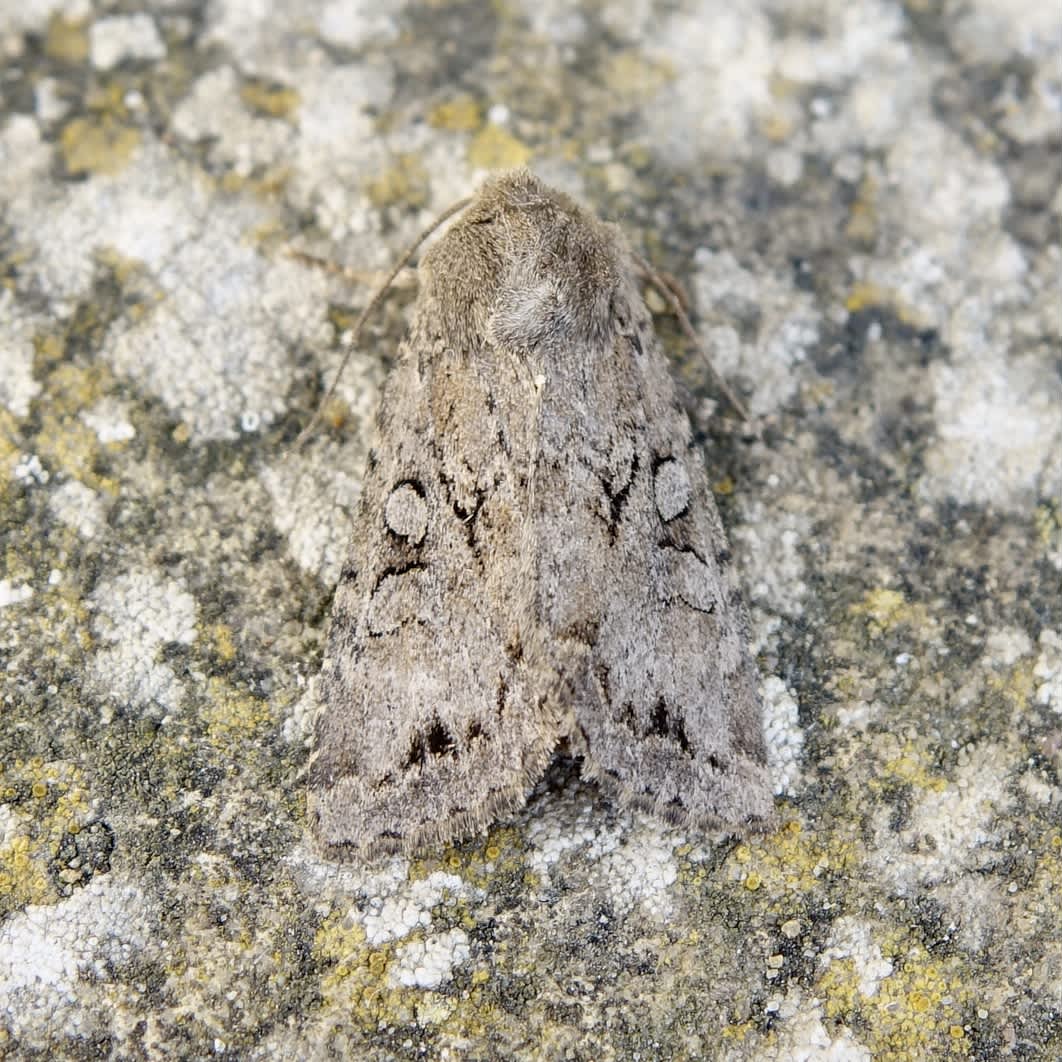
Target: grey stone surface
862, 201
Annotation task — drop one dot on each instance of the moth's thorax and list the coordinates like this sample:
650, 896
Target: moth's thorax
525, 267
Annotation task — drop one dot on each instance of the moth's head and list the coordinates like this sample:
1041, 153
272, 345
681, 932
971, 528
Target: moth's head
525, 266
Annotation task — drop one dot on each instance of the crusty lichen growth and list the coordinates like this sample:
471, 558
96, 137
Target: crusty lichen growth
42, 803
918, 1011
792, 861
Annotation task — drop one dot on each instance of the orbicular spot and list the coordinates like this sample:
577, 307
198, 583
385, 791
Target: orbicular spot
406, 513
671, 489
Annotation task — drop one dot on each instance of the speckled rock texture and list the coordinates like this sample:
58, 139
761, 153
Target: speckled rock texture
861, 199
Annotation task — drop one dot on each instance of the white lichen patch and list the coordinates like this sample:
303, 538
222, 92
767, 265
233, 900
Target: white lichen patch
799, 1032
771, 562
946, 196
999, 432
135, 614
109, 419
29, 471
215, 343
1048, 671
18, 387
216, 348
113, 40
143, 607
631, 861
320, 877
977, 905
338, 144
720, 83
24, 160
1005, 646
991, 31
951, 830
33, 15
79, 507
357, 26
141, 215
785, 737
213, 111
638, 867
313, 502
428, 963
46, 952
781, 325
14, 593
563, 826
394, 916
852, 939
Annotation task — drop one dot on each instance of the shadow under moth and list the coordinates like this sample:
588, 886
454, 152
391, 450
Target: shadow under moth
537, 559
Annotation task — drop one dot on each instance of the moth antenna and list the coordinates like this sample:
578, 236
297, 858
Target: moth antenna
351, 337
352, 276
670, 296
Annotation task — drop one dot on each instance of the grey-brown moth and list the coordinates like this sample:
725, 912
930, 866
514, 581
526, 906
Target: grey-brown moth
537, 559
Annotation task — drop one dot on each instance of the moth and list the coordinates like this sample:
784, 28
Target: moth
537, 560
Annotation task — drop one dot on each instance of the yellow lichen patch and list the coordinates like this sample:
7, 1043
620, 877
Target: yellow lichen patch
862, 225
818, 392
501, 854
1017, 685
637, 156
9, 450
739, 1033
911, 767
233, 716
914, 1012
495, 148
48, 350
460, 115
884, 607
866, 296
224, 647
99, 144
269, 184
71, 387
272, 101
66, 40
1044, 901
633, 79
723, 487
58, 805
886, 610
23, 879
778, 125
785, 114
123, 269
67, 443
404, 184
789, 861
357, 980
1048, 523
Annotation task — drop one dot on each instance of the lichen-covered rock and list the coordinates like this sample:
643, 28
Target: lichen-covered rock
861, 202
